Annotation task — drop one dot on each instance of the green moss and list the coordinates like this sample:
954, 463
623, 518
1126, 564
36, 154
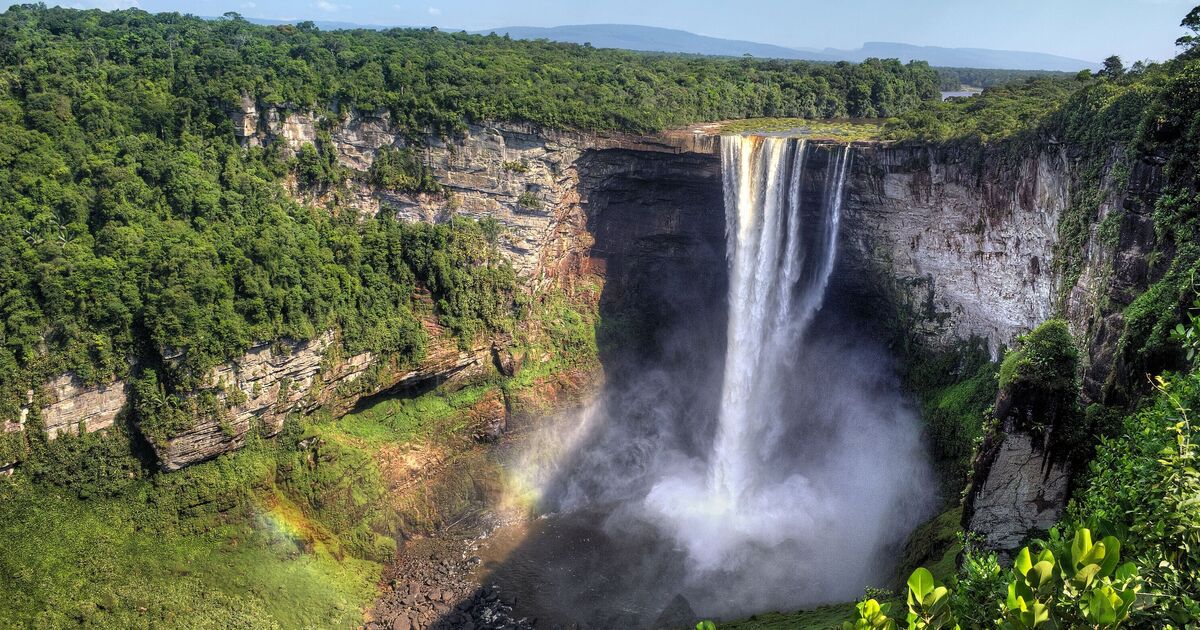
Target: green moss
400, 420
934, 545
956, 388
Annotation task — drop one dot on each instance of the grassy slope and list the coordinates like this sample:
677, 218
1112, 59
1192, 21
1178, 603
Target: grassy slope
270, 562
817, 619
106, 563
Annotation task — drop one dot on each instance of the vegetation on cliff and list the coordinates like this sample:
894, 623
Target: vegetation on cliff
1141, 483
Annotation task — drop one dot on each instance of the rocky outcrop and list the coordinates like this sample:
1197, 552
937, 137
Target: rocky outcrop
1024, 491
71, 405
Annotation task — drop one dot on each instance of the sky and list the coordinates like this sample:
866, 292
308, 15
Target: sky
1083, 29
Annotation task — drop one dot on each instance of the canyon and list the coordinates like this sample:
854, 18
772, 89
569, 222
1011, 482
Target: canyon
947, 244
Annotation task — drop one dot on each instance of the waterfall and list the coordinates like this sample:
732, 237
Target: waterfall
802, 467
781, 255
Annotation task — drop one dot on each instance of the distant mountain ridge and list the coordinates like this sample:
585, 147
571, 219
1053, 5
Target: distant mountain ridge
670, 40
656, 39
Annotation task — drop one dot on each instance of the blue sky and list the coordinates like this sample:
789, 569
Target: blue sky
1086, 29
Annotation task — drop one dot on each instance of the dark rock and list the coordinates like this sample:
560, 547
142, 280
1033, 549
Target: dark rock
677, 614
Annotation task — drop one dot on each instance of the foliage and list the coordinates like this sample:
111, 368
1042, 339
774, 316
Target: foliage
999, 113
871, 616
87, 464
1044, 360
1082, 585
954, 79
1112, 68
1144, 482
516, 166
401, 170
1188, 335
1190, 43
928, 602
529, 200
979, 591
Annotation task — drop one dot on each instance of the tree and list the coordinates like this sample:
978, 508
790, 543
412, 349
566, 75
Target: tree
1113, 68
1190, 43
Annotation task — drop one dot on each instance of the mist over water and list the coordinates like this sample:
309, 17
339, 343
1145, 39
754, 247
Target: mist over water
783, 473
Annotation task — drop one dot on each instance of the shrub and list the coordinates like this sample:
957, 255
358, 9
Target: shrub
1046, 360
529, 201
402, 170
1083, 585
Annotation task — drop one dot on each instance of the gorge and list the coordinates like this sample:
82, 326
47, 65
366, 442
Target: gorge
410, 329
704, 476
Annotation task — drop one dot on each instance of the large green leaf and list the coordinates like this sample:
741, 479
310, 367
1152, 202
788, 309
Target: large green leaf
920, 583
1081, 546
1112, 555
1023, 563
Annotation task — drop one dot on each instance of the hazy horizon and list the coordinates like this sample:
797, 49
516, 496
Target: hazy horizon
1089, 30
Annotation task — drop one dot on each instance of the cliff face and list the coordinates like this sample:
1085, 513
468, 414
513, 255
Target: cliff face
261, 388
967, 248
957, 244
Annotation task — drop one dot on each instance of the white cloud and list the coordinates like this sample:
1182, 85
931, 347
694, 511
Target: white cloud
434, 11
330, 7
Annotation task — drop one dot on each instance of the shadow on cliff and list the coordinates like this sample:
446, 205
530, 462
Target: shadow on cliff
659, 240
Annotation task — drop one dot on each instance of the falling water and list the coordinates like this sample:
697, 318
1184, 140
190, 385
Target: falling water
777, 284
755, 488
